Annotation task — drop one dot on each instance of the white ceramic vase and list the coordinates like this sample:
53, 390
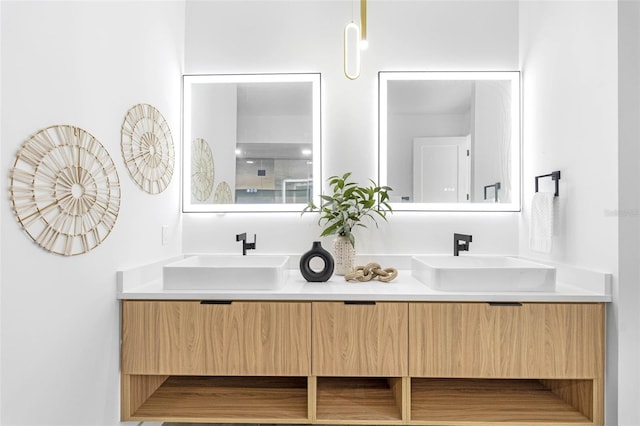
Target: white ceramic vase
344, 255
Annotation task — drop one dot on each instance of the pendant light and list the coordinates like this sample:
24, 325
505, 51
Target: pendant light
352, 51
355, 40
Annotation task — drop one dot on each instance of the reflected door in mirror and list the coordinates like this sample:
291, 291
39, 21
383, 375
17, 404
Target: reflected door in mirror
441, 170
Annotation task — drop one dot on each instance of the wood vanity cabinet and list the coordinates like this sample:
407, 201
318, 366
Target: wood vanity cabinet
405, 363
185, 361
505, 340
507, 362
360, 339
216, 338
360, 361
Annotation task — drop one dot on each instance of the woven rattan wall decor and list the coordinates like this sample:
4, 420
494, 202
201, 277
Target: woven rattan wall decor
65, 190
147, 148
202, 170
223, 194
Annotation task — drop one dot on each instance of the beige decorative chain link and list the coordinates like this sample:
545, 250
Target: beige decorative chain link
372, 271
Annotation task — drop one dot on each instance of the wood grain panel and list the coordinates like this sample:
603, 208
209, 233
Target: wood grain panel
312, 397
398, 386
242, 338
135, 391
584, 395
360, 340
528, 341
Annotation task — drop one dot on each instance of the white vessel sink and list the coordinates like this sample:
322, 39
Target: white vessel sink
483, 273
226, 272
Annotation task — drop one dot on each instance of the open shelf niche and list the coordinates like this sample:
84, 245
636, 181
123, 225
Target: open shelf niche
219, 399
505, 401
344, 400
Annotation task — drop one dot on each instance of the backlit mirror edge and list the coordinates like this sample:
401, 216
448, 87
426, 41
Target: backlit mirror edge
189, 79
516, 128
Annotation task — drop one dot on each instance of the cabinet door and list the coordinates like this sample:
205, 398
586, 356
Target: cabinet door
501, 340
360, 339
241, 338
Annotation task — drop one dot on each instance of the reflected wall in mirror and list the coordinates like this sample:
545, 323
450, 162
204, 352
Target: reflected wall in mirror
450, 140
251, 142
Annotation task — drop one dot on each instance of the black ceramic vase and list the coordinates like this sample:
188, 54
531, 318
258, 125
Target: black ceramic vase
316, 276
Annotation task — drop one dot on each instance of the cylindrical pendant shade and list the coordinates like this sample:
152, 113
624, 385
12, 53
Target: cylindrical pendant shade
352, 51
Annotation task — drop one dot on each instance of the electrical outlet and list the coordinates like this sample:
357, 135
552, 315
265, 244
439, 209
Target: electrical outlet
165, 235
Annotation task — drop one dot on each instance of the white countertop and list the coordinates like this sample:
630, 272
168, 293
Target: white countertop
573, 285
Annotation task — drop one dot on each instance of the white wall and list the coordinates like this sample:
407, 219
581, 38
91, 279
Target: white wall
568, 54
628, 298
1, 214
307, 36
86, 64
214, 119
491, 140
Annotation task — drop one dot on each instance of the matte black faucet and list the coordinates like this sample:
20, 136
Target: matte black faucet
245, 245
461, 243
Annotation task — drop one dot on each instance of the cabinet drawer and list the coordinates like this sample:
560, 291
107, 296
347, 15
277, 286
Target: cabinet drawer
500, 340
240, 338
360, 339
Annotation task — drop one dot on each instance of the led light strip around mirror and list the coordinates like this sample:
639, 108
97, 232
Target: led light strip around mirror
509, 156
193, 83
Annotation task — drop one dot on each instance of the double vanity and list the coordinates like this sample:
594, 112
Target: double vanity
451, 341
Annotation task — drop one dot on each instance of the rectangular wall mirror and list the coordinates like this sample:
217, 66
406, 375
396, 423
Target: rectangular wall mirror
251, 142
450, 140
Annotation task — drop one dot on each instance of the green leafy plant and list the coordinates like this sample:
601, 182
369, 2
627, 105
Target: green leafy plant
349, 205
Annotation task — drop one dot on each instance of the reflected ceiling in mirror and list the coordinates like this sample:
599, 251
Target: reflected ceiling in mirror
251, 142
450, 140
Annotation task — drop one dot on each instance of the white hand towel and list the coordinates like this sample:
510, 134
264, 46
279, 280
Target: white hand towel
541, 226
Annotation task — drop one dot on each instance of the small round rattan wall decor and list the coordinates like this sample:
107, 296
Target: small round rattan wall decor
202, 170
65, 190
223, 194
147, 148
